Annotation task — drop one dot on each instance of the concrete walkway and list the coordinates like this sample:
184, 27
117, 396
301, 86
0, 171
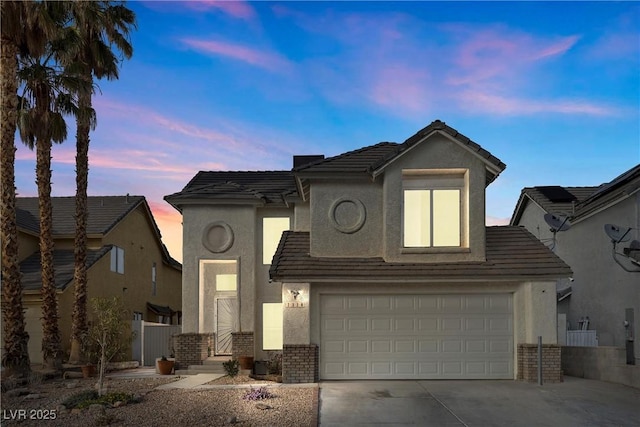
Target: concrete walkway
191, 381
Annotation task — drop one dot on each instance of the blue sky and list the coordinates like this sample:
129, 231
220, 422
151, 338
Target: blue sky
550, 88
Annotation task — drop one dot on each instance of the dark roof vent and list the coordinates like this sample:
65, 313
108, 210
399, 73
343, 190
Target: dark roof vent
299, 161
557, 194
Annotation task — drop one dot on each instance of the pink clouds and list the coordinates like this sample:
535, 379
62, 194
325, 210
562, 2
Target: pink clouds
236, 8
509, 106
258, 58
498, 53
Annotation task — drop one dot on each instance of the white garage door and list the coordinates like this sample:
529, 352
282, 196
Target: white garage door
416, 336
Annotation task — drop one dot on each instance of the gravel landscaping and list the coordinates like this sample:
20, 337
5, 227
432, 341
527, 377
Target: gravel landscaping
37, 404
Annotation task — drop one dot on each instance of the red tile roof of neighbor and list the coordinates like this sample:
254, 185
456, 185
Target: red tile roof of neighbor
511, 253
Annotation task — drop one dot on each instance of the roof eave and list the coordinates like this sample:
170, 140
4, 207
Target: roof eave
494, 169
422, 279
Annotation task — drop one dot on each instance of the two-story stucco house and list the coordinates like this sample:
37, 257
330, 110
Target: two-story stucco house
125, 257
605, 288
373, 264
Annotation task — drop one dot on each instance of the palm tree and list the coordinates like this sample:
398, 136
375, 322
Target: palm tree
100, 26
25, 29
46, 88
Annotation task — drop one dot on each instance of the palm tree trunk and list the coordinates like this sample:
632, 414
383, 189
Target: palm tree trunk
79, 318
51, 341
15, 357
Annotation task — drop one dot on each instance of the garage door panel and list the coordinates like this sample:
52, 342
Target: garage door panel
357, 303
451, 324
416, 336
427, 325
355, 346
404, 325
357, 325
378, 346
357, 368
381, 324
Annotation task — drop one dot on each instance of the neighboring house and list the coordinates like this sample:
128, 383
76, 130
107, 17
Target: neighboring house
373, 264
601, 290
125, 257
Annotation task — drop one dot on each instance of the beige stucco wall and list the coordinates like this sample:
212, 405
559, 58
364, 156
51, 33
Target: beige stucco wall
242, 221
326, 239
134, 235
601, 289
27, 245
438, 152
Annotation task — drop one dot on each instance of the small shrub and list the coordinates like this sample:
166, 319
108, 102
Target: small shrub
78, 398
84, 399
231, 367
274, 365
257, 394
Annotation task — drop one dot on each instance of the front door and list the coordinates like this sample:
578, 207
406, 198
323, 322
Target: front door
226, 323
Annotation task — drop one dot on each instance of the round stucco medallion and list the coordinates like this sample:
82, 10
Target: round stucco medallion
217, 237
347, 215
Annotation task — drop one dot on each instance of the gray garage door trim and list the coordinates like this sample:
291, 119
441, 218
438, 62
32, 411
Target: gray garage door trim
416, 336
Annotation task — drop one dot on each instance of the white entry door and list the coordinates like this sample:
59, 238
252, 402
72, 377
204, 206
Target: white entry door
416, 336
226, 323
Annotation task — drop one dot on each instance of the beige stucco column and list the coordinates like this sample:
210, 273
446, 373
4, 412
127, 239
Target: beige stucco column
295, 306
536, 304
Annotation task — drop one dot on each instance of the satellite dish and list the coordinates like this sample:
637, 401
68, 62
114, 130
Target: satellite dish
557, 222
631, 254
617, 234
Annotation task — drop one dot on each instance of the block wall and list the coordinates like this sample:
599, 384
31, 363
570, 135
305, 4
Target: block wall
241, 344
192, 348
300, 363
528, 363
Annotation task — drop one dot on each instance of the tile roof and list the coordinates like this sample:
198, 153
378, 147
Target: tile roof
372, 158
587, 199
361, 160
511, 253
63, 261
565, 208
104, 213
269, 187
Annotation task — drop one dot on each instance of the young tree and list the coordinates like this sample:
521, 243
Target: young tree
110, 333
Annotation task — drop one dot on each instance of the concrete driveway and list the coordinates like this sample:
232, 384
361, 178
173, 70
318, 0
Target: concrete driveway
576, 402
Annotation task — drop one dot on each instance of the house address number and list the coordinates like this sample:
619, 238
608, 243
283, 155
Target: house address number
295, 305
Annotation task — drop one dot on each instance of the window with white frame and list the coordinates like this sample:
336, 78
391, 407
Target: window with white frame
272, 229
433, 205
137, 315
272, 326
117, 260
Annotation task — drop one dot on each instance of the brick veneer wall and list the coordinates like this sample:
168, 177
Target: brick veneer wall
528, 363
300, 363
241, 344
192, 348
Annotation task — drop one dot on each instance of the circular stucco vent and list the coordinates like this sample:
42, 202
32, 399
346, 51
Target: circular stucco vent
347, 215
217, 237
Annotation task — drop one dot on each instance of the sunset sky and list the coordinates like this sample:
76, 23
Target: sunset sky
552, 89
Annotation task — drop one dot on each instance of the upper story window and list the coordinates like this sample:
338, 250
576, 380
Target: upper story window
272, 229
433, 208
117, 260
